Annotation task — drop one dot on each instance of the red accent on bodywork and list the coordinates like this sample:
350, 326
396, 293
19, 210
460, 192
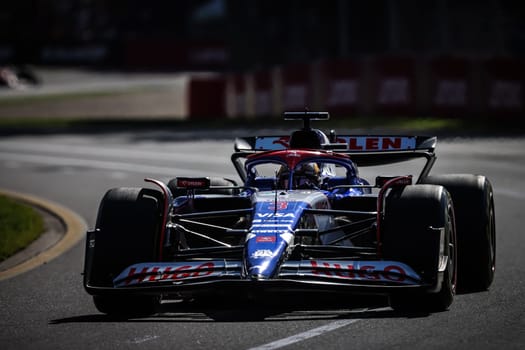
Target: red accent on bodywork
280, 205
398, 271
284, 141
265, 239
370, 272
294, 157
376, 143
157, 273
193, 183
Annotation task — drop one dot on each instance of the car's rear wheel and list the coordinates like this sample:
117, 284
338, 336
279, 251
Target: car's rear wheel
126, 233
418, 229
476, 228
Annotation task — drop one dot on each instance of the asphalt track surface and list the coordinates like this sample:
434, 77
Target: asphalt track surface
47, 308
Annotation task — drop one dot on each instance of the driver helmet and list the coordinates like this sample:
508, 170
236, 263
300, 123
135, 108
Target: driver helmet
283, 177
307, 176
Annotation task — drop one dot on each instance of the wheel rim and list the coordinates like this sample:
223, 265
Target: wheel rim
452, 264
492, 237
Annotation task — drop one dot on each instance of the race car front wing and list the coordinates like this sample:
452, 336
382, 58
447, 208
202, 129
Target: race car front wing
221, 275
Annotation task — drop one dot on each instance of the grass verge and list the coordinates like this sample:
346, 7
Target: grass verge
19, 226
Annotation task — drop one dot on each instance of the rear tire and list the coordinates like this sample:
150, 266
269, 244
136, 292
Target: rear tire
476, 228
410, 234
127, 230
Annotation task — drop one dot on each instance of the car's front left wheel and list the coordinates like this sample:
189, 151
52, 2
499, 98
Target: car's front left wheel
126, 233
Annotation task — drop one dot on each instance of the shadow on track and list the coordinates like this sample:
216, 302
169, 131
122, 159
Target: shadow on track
258, 311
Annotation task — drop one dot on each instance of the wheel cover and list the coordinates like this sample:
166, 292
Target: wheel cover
452, 250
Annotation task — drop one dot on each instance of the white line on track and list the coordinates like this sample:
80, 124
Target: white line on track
107, 152
99, 164
305, 335
143, 339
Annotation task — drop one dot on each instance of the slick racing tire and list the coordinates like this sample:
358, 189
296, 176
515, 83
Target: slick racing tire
127, 229
473, 200
417, 226
214, 181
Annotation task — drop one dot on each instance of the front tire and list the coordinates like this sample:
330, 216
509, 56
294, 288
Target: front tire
476, 228
127, 231
418, 229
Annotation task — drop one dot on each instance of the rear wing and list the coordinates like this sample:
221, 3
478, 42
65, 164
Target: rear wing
364, 150
368, 149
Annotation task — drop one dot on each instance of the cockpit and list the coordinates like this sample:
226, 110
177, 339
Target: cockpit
296, 170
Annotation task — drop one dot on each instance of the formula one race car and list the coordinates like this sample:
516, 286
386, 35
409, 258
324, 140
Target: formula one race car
303, 221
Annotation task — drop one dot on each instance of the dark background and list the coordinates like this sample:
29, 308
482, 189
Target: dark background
238, 35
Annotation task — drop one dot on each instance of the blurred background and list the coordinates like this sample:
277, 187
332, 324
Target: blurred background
231, 58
